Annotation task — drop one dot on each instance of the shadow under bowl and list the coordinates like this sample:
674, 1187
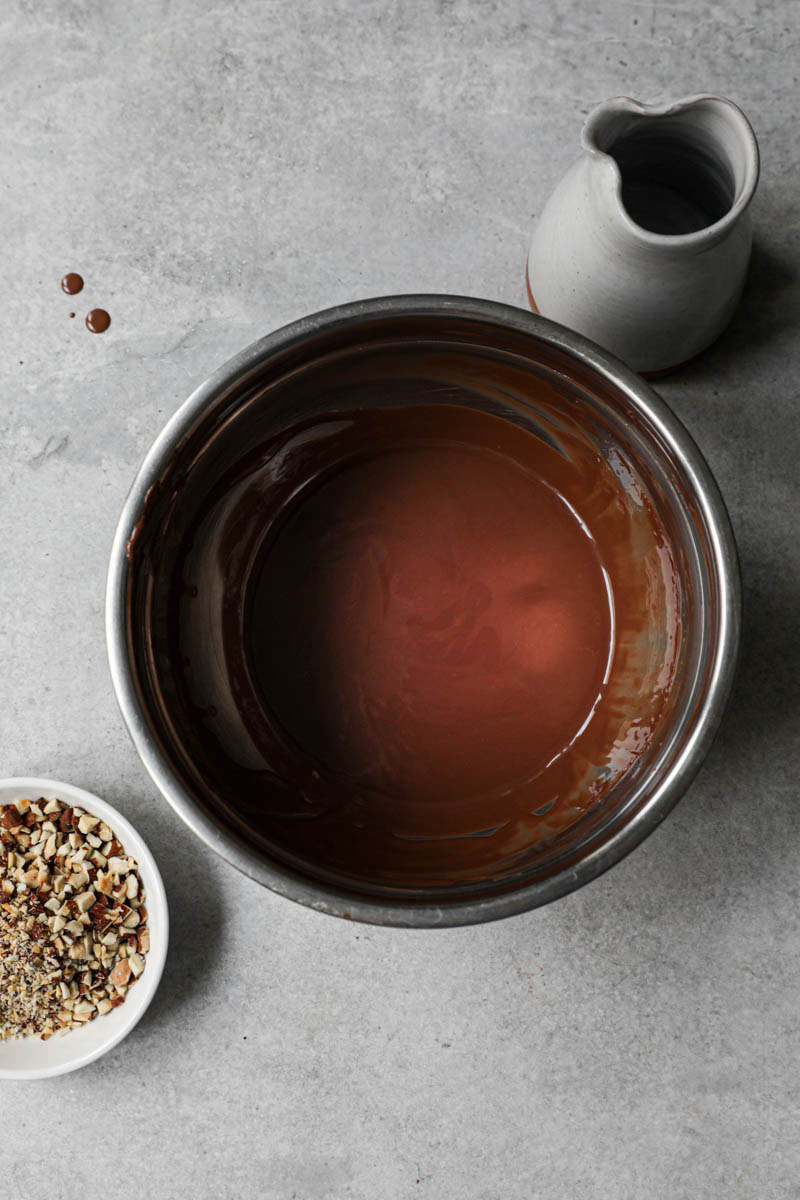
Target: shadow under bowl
362, 774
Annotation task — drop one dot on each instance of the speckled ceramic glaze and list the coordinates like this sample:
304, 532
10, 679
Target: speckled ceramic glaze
644, 244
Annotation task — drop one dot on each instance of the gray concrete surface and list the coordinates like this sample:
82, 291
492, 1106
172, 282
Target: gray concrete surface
213, 170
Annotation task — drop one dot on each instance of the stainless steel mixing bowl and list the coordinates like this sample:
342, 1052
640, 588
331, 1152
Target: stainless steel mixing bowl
630, 414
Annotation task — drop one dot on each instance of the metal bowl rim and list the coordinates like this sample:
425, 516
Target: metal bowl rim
664, 796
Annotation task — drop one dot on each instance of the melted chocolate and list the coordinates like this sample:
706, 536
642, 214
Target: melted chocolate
409, 645
72, 284
431, 624
98, 320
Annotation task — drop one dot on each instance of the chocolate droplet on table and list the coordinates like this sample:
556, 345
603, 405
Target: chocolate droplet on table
72, 314
98, 320
71, 284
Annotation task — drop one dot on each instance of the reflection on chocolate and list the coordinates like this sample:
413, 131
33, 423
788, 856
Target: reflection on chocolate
71, 284
431, 621
410, 643
98, 320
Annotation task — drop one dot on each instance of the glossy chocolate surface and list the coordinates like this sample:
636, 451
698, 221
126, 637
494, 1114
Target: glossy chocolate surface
98, 320
409, 621
72, 283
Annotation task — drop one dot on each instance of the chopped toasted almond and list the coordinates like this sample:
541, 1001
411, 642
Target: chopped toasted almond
104, 884
136, 964
85, 901
121, 973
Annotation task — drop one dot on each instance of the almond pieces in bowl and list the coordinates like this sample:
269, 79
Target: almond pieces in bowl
73, 920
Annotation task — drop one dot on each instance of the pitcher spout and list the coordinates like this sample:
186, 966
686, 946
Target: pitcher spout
682, 170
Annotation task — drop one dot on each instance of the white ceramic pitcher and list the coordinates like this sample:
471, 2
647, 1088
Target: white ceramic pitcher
644, 245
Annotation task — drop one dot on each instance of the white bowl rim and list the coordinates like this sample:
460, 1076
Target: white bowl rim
34, 786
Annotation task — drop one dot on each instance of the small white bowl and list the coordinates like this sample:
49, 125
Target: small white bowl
30, 1057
